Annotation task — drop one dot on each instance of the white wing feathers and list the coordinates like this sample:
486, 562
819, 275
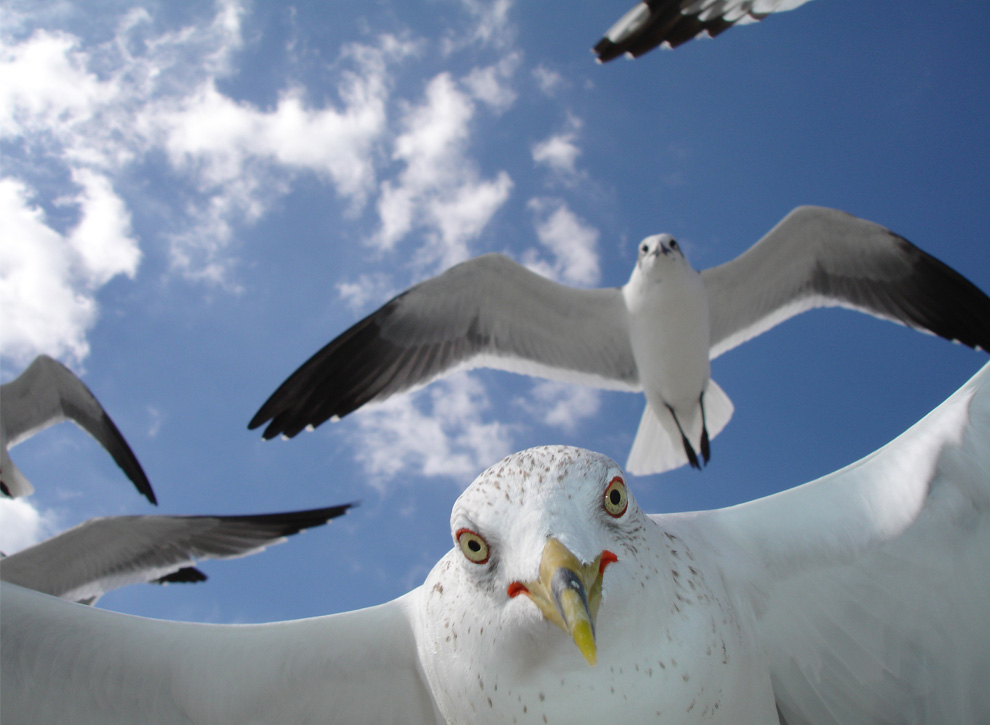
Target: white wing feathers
871, 584
357, 667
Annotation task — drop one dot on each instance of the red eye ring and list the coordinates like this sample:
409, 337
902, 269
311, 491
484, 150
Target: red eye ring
615, 499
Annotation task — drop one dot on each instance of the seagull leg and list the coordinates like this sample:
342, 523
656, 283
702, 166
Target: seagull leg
688, 448
705, 447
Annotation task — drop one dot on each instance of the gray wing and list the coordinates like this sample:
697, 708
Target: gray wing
101, 554
65, 663
47, 393
486, 312
817, 257
652, 22
869, 586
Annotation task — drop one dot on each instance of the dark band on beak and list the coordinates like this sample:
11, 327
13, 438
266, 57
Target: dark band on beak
568, 580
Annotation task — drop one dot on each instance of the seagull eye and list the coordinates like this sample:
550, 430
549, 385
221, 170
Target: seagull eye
644, 249
616, 499
673, 244
473, 546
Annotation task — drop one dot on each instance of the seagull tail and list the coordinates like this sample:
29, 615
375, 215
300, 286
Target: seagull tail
718, 408
655, 449
660, 445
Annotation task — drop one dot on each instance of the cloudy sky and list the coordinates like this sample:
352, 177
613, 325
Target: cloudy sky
195, 197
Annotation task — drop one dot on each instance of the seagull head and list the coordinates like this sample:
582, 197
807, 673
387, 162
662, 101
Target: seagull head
658, 253
538, 538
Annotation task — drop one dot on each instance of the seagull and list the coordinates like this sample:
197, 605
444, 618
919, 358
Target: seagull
85, 562
857, 598
656, 334
47, 393
653, 22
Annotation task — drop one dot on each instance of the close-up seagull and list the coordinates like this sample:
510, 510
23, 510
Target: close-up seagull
656, 334
672, 22
85, 562
857, 598
47, 393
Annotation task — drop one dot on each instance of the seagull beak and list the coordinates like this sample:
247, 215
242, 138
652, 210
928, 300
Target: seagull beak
568, 593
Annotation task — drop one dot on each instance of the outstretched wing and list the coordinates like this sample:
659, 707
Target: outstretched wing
87, 561
817, 257
486, 312
652, 22
870, 585
63, 662
47, 393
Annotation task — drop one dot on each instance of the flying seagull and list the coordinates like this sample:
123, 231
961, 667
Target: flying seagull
656, 334
47, 393
673, 22
857, 598
85, 562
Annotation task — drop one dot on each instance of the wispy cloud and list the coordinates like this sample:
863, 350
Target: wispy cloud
548, 80
560, 152
491, 84
87, 113
561, 405
571, 242
49, 279
24, 525
441, 431
367, 290
489, 25
439, 187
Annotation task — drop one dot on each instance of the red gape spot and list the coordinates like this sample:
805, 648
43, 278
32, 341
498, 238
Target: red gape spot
607, 558
516, 588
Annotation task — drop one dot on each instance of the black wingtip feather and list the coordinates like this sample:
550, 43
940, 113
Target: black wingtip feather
945, 302
185, 575
667, 24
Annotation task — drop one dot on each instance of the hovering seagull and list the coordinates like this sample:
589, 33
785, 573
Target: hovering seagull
47, 393
85, 562
656, 334
858, 598
673, 22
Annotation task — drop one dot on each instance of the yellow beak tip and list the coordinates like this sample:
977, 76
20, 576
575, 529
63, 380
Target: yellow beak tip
584, 638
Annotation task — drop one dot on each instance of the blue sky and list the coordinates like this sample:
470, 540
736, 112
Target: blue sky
197, 197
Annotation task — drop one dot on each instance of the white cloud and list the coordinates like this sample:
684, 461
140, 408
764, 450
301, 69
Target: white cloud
560, 152
22, 525
437, 432
439, 187
88, 112
547, 80
561, 405
490, 84
48, 280
569, 239
102, 238
368, 289
240, 156
44, 84
490, 26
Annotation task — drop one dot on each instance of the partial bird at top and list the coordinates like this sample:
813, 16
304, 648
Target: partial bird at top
656, 334
102, 554
653, 22
47, 393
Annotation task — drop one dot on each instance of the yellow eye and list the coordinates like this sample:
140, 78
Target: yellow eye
473, 546
616, 500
